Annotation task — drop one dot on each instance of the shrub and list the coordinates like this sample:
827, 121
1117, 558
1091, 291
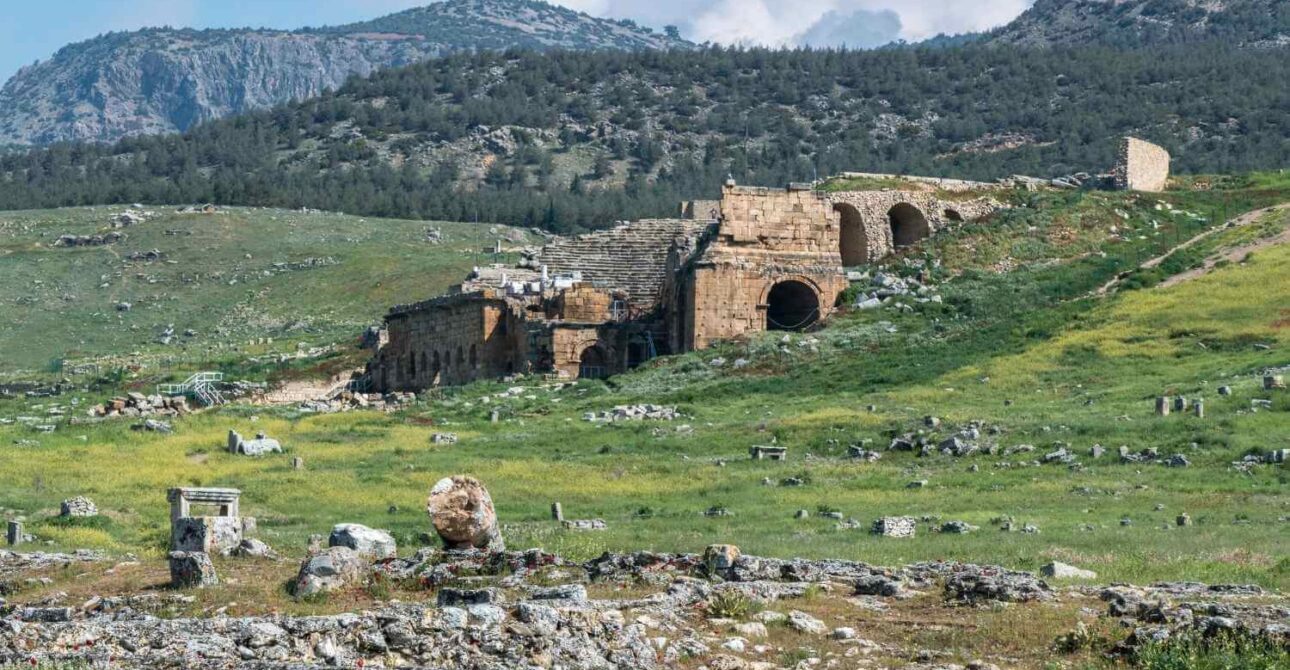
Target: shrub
1225, 651
731, 605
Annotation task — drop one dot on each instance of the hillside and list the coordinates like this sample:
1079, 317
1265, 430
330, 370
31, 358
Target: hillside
168, 80
569, 140
1128, 23
208, 287
1017, 349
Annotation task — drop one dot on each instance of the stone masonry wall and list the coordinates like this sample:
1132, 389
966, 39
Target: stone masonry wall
770, 236
454, 342
873, 211
766, 236
584, 304
1143, 166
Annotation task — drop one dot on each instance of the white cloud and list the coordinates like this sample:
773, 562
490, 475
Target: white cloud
783, 22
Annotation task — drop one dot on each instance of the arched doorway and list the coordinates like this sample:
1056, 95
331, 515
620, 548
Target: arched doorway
953, 215
908, 225
593, 364
854, 243
792, 305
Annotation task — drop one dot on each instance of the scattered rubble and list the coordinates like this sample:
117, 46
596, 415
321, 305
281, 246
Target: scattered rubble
633, 413
80, 506
138, 405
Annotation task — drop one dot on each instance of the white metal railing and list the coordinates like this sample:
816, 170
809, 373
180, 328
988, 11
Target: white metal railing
200, 386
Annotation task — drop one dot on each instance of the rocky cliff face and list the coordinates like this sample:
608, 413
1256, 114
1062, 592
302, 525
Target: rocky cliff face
1254, 23
162, 80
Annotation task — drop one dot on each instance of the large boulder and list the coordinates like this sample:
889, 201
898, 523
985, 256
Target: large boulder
463, 515
332, 569
369, 542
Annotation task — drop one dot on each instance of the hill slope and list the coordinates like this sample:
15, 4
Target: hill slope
229, 278
1019, 354
163, 80
1258, 23
574, 140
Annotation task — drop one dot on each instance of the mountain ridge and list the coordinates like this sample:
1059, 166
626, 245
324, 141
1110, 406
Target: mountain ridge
1135, 23
164, 80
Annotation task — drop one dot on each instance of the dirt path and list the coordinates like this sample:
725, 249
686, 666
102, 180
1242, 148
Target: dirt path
1239, 252
1233, 255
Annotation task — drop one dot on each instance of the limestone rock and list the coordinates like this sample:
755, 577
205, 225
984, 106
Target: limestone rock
369, 542
719, 559
976, 584
463, 515
192, 569
332, 569
252, 548
805, 623
260, 446
1058, 570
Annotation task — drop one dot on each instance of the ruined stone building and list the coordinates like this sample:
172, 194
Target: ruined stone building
1142, 166
602, 303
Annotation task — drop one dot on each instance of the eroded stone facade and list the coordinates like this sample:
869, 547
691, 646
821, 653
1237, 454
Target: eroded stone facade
599, 304
1143, 166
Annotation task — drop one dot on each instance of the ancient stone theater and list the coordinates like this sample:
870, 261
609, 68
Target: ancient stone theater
599, 304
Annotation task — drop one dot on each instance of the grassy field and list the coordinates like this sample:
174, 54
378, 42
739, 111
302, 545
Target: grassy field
1026, 349
231, 278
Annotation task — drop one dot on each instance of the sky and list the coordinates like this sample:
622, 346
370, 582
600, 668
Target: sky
33, 30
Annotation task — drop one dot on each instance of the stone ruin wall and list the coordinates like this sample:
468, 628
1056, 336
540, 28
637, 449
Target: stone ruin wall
582, 304
456, 341
1143, 166
716, 291
766, 236
867, 218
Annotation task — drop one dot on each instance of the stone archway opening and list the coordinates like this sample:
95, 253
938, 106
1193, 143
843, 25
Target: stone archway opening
854, 244
908, 225
953, 215
792, 306
593, 364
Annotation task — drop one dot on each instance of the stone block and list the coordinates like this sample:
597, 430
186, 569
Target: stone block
192, 570
209, 534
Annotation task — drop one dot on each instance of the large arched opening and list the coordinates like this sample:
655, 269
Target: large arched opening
854, 244
593, 364
908, 225
792, 305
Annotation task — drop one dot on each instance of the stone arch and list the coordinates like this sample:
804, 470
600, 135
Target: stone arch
853, 241
792, 305
593, 363
952, 214
908, 225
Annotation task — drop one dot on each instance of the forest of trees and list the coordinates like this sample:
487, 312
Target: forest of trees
681, 122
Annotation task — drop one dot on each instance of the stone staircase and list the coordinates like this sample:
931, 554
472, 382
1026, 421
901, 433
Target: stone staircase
631, 257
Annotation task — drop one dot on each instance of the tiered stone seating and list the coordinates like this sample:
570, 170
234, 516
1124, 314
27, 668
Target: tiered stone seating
631, 257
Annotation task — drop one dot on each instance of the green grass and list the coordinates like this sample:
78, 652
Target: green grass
1025, 350
60, 303
1222, 652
